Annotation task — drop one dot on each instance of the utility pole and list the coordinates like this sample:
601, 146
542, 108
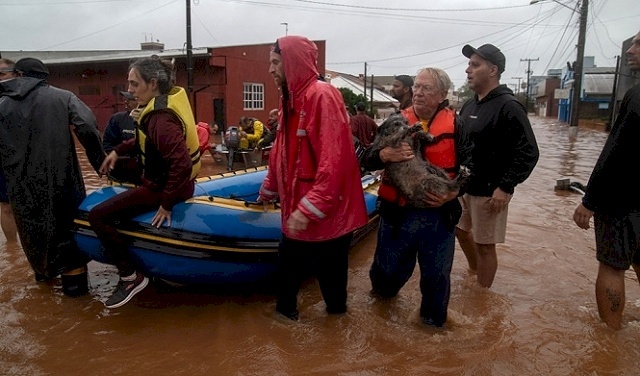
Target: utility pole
371, 96
365, 83
189, 51
578, 67
517, 87
529, 71
612, 105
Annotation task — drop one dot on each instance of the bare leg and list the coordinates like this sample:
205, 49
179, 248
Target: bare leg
469, 247
8, 223
610, 295
487, 264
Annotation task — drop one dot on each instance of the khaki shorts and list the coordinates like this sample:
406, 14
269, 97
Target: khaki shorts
487, 227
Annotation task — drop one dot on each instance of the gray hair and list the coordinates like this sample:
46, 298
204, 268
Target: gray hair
8, 62
440, 76
156, 68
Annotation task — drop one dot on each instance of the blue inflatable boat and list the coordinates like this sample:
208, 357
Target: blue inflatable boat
220, 236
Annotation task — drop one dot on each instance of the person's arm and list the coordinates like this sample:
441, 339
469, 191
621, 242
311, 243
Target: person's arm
464, 148
612, 178
85, 127
325, 153
254, 137
165, 132
125, 147
371, 160
267, 140
522, 140
375, 159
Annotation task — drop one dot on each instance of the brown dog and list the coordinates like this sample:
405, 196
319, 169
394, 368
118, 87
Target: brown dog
417, 176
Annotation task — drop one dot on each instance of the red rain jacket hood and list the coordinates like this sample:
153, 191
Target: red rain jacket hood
313, 166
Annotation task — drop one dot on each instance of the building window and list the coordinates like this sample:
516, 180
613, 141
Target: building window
253, 95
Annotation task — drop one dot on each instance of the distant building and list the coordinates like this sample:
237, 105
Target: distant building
228, 82
383, 103
597, 88
546, 104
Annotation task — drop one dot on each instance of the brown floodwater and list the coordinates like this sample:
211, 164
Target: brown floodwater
539, 318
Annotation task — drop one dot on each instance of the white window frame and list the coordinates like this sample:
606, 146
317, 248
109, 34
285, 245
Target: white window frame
253, 96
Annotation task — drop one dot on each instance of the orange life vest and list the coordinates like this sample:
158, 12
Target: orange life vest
442, 152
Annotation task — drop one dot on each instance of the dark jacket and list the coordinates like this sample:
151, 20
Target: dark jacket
451, 210
612, 186
120, 127
504, 146
363, 128
44, 180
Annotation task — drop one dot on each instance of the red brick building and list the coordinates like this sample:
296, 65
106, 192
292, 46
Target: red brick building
228, 82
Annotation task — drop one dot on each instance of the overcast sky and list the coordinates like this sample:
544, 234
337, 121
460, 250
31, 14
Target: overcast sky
392, 37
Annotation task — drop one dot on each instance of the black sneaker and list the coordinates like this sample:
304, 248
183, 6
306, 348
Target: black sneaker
126, 290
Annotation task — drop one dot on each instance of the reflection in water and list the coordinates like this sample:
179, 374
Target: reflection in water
539, 318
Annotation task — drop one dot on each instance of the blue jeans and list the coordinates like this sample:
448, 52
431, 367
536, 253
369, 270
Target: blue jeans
420, 233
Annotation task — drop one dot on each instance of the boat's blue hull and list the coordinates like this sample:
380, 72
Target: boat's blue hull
216, 237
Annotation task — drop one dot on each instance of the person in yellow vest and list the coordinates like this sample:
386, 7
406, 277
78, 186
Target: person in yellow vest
169, 152
252, 130
407, 232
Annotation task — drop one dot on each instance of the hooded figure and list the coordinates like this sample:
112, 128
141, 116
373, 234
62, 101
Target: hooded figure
44, 180
314, 171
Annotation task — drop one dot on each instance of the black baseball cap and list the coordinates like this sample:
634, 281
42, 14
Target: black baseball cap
488, 52
127, 95
31, 67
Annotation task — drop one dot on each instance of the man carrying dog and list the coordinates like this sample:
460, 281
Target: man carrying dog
408, 232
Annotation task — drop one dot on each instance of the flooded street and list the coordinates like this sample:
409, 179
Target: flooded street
539, 318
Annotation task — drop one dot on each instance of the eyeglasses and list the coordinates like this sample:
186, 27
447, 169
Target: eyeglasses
425, 88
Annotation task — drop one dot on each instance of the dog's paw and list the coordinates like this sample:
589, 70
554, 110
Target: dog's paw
417, 127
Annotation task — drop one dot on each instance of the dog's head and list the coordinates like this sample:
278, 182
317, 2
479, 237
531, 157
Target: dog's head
392, 131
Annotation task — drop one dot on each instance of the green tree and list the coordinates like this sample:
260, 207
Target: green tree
464, 92
350, 98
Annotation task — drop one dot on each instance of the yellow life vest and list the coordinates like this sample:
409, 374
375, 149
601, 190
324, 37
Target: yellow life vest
178, 103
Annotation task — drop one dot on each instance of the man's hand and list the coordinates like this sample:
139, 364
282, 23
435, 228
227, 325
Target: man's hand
109, 163
499, 201
265, 203
582, 216
435, 201
297, 222
400, 154
136, 112
161, 215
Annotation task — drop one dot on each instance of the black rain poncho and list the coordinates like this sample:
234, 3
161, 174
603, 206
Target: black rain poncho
44, 180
